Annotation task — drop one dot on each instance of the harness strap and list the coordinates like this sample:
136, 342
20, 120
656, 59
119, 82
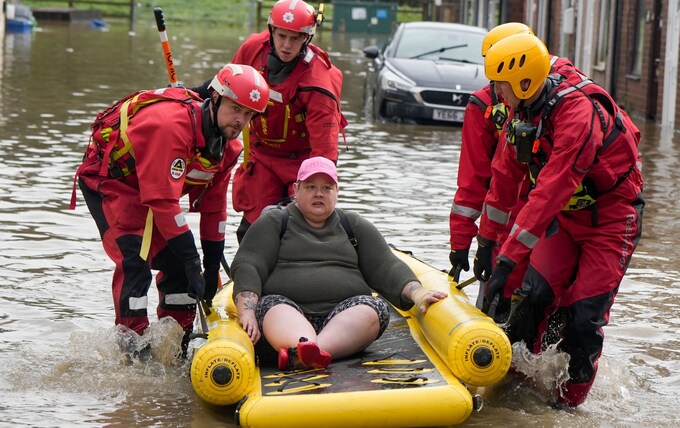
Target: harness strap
342, 121
124, 120
146, 239
284, 221
90, 158
617, 129
480, 103
107, 132
348, 229
559, 96
246, 146
598, 100
106, 156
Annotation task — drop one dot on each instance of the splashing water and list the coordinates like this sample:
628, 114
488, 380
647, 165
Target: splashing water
547, 370
91, 370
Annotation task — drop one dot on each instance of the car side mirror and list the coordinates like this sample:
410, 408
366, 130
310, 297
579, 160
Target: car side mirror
371, 52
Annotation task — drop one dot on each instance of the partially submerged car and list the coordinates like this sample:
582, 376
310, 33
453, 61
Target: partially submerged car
425, 72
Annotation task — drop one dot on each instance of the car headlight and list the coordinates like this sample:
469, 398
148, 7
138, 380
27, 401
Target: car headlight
391, 81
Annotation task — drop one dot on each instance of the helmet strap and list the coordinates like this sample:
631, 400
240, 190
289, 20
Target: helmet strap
305, 44
536, 108
271, 39
215, 109
214, 141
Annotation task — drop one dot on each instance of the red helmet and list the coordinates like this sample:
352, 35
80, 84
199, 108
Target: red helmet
243, 84
293, 15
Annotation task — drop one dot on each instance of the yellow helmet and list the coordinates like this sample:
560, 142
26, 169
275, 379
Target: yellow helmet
518, 58
502, 31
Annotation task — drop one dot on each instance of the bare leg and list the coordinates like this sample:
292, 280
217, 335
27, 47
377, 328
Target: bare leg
350, 331
283, 326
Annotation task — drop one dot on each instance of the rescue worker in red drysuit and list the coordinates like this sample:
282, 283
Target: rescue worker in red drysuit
303, 118
583, 218
484, 118
179, 148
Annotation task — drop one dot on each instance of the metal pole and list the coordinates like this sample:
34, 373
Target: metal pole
670, 73
132, 10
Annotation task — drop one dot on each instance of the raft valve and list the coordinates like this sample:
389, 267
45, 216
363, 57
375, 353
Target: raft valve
482, 357
222, 375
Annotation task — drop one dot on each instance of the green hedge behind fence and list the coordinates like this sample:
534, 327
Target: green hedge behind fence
235, 12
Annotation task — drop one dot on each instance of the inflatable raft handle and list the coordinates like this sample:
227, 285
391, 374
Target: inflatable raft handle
466, 283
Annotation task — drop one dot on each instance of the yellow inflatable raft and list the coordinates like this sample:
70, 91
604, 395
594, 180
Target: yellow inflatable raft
416, 374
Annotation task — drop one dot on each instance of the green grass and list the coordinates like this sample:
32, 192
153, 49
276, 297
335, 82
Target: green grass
237, 12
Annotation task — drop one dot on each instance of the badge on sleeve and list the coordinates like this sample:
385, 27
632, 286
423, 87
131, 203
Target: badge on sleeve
177, 168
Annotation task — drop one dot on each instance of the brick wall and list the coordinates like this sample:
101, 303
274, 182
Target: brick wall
631, 89
515, 11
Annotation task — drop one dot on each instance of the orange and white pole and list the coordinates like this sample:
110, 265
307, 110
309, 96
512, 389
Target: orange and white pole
160, 23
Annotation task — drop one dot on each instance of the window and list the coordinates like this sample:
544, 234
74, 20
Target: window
638, 45
469, 12
603, 35
493, 14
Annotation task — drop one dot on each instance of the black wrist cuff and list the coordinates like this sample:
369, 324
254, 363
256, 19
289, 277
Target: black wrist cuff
503, 261
184, 247
483, 242
212, 253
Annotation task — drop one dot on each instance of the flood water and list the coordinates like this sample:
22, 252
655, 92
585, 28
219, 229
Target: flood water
59, 365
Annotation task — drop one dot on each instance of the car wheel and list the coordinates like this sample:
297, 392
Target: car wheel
379, 108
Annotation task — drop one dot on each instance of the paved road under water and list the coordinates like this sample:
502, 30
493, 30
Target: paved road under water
59, 365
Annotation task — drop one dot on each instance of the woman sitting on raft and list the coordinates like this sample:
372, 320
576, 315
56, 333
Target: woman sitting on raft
300, 281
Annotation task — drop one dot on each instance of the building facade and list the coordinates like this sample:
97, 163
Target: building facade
630, 47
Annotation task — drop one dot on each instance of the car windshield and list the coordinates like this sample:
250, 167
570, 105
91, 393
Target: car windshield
438, 44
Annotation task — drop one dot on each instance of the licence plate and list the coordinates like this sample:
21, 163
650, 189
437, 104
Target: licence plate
447, 115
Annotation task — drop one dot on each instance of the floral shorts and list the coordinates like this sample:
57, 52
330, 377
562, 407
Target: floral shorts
320, 321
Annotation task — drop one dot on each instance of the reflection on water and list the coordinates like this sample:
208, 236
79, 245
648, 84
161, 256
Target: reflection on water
58, 361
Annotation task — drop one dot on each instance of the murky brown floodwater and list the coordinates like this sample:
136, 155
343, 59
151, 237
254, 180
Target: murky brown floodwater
59, 365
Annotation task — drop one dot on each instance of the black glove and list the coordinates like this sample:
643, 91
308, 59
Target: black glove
213, 252
459, 262
184, 248
496, 284
484, 258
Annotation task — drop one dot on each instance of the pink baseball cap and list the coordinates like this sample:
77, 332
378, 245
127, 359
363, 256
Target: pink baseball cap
317, 165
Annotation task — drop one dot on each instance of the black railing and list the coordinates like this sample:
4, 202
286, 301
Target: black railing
257, 11
126, 7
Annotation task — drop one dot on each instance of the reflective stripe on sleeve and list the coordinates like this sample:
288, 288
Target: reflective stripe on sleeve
200, 175
496, 215
525, 237
465, 211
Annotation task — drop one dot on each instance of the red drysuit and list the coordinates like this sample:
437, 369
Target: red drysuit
588, 184
479, 141
165, 138
302, 120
